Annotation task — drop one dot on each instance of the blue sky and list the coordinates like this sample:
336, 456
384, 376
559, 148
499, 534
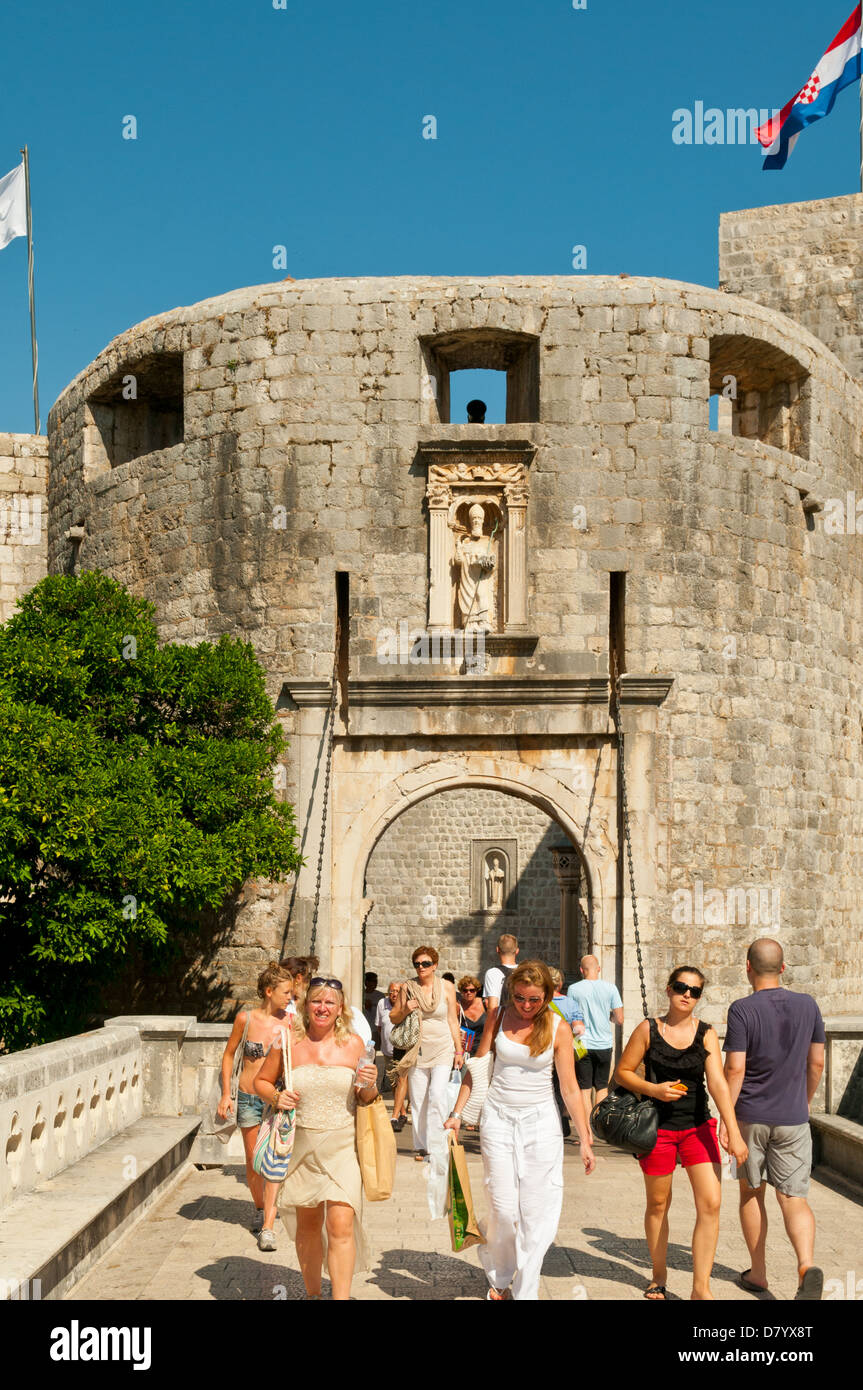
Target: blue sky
303, 127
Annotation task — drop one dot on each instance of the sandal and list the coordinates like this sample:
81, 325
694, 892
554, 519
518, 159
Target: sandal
746, 1283
654, 1288
503, 1297
811, 1285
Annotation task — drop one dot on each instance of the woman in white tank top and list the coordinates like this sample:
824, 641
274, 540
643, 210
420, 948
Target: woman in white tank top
521, 1139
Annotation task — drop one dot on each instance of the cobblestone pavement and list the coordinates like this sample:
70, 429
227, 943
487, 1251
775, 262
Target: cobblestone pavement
196, 1244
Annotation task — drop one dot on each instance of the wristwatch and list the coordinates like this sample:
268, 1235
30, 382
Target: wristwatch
456, 1115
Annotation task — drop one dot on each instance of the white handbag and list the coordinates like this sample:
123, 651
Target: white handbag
481, 1069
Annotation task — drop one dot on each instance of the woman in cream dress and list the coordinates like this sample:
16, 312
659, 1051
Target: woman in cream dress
321, 1197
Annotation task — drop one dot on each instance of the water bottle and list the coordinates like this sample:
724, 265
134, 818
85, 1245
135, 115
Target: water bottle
367, 1060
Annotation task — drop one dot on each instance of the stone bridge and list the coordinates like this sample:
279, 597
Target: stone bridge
108, 1192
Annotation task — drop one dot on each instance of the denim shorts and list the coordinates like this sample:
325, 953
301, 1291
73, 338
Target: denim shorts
250, 1110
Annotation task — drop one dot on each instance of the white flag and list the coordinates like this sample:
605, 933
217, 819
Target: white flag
13, 206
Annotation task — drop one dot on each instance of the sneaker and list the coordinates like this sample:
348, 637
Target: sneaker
267, 1240
257, 1221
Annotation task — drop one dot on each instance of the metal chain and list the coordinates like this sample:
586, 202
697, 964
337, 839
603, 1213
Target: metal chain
615, 687
330, 734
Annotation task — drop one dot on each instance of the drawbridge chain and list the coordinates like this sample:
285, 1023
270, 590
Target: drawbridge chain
329, 729
624, 803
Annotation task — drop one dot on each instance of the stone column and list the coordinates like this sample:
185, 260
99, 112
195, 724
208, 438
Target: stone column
515, 594
567, 868
440, 586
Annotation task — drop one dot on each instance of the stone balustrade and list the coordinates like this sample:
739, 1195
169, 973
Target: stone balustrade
60, 1101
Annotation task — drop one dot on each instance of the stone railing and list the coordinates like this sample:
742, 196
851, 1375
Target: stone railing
60, 1101
181, 1065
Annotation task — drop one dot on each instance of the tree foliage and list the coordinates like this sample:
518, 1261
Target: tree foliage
136, 789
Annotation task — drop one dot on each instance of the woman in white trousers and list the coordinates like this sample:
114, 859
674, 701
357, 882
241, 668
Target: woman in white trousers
521, 1139
430, 1062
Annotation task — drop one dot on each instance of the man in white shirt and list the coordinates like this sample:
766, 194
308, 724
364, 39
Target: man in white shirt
494, 985
601, 1006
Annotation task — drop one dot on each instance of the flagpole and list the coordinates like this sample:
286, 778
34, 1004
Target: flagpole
35, 350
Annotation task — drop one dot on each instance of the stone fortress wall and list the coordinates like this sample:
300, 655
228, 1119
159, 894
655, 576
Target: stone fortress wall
23, 516
286, 432
804, 259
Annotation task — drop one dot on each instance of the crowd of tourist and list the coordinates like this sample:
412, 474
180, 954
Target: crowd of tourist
547, 1056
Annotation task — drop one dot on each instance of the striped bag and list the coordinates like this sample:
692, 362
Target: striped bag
276, 1135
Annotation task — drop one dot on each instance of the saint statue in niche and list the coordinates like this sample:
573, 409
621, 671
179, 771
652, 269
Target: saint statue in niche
475, 564
494, 882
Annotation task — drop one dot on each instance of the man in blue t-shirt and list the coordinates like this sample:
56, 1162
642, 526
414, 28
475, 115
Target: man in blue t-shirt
774, 1057
600, 1002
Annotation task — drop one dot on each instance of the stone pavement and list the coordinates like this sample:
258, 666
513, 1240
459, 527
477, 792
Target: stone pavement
196, 1244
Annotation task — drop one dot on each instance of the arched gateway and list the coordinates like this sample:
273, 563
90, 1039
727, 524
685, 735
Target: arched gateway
548, 819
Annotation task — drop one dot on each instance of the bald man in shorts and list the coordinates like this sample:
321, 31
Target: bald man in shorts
774, 1057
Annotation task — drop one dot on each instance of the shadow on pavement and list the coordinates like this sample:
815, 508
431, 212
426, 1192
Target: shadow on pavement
237, 1279
635, 1252
420, 1274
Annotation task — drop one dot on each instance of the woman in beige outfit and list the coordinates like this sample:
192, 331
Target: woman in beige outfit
431, 1061
321, 1198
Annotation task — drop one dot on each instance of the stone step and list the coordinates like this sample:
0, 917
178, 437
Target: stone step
838, 1145
50, 1236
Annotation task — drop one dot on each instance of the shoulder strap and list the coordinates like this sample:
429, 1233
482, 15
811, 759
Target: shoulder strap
498, 1024
240, 1057
653, 1025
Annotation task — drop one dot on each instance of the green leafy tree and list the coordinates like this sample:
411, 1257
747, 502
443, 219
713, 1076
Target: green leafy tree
136, 790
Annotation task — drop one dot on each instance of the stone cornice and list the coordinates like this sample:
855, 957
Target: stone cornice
474, 690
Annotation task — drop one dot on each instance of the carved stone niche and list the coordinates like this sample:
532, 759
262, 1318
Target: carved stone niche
494, 876
478, 496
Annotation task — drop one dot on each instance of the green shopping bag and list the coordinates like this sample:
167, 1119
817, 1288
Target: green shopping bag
463, 1228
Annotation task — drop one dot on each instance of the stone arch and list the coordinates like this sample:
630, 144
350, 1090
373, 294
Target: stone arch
566, 807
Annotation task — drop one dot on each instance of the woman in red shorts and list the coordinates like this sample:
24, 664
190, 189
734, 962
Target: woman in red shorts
681, 1054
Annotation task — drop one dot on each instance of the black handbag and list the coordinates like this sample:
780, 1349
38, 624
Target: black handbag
626, 1121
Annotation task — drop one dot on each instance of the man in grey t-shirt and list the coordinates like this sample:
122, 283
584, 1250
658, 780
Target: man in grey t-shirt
774, 1057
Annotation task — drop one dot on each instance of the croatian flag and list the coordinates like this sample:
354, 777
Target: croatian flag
840, 66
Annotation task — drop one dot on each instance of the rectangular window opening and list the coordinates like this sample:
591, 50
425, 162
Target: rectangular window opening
474, 388
757, 391
343, 628
617, 622
138, 411
496, 366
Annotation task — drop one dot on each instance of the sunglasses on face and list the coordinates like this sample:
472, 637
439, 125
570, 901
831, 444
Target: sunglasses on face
468, 989
520, 999
330, 984
695, 990
423, 964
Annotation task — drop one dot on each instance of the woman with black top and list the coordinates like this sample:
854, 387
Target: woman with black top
680, 1055
471, 1013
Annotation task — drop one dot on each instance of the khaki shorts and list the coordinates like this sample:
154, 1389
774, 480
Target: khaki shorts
778, 1154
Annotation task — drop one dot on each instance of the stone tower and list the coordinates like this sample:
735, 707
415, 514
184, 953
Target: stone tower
289, 461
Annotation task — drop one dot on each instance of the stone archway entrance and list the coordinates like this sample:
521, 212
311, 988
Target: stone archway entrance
464, 865
562, 806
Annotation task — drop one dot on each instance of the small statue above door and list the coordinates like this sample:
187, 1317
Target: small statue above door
475, 563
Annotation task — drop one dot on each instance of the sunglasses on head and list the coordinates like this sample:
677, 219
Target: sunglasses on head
695, 990
423, 964
330, 984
